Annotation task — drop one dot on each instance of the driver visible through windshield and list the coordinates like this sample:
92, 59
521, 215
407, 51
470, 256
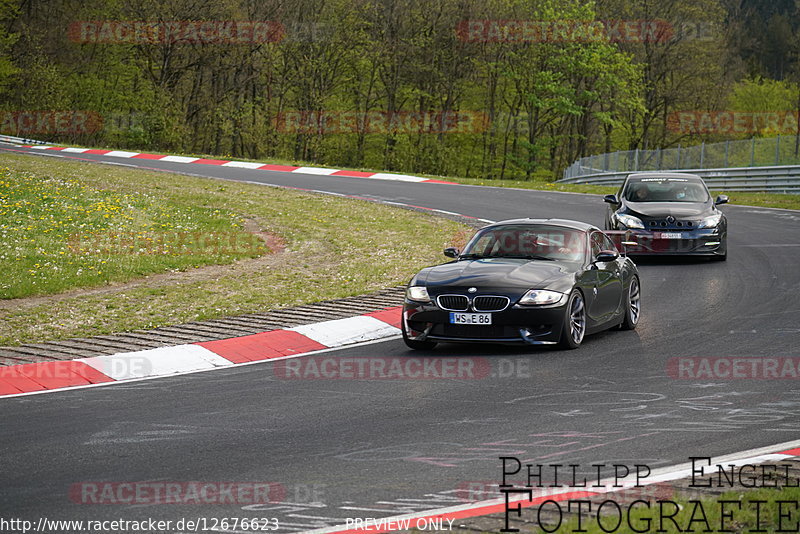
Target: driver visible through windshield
665, 190
536, 242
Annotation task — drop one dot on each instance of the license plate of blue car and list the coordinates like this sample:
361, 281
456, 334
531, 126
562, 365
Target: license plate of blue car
471, 318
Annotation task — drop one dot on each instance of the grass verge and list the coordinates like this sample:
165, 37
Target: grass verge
61, 233
335, 247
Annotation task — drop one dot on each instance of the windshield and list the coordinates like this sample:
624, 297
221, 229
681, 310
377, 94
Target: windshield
666, 190
527, 241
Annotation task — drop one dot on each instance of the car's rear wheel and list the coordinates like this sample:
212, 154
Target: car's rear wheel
413, 343
633, 305
574, 322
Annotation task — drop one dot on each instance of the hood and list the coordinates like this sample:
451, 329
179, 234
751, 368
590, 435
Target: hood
679, 210
497, 273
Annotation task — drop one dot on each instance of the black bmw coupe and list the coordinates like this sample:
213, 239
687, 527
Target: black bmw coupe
669, 213
535, 281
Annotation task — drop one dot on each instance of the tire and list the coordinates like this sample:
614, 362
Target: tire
633, 305
414, 344
574, 328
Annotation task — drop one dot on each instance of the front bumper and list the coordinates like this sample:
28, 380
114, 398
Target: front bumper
517, 325
703, 242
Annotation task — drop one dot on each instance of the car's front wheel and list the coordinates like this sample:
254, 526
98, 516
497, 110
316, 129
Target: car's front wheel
574, 322
723, 256
413, 343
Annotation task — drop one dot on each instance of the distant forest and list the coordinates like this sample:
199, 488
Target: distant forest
495, 89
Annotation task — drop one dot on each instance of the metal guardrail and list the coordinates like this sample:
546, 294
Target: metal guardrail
755, 152
20, 140
757, 164
776, 179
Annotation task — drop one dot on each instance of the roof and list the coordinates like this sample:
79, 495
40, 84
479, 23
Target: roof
684, 175
565, 223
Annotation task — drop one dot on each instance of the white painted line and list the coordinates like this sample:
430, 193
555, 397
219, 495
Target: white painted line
738, 206
398, 177
156, 362
41, 147
243, 164
684, 471
178, 159
346, 331
780, 245
76, 150
121, 154
314, 170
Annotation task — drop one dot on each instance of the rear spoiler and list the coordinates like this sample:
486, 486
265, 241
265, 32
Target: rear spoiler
621, 239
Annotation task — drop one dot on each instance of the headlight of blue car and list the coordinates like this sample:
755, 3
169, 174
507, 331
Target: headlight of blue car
711, 221
629, 221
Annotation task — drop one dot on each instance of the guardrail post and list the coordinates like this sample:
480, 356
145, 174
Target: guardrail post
727, 144
702, 153
636, 160
753, 151
778, 149
658, 160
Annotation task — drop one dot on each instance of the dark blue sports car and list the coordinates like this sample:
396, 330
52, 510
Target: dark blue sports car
535, 281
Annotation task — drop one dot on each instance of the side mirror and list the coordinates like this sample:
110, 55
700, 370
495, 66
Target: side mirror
722, 199
451, 252
611, 199
605, 256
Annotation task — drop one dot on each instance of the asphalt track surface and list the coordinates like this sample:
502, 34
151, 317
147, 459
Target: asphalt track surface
373, 448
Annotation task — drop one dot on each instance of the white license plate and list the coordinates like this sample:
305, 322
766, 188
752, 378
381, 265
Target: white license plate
670, 235
470, 318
